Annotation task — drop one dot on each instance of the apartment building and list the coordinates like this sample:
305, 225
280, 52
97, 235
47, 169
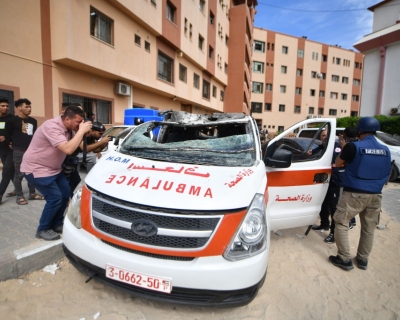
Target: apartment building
381, 85
111, 55
295, 78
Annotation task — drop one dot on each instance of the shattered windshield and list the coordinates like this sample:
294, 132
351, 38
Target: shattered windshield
222, 144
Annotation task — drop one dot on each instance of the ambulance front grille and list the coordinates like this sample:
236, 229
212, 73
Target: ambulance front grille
177, 231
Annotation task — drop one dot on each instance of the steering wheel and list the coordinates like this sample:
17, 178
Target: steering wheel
315, 137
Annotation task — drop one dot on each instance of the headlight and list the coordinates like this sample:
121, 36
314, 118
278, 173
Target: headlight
251, 238
74, 209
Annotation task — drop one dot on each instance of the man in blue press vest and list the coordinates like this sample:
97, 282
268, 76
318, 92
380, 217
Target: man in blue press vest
367, 170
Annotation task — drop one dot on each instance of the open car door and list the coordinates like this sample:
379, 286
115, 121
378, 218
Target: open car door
298, 172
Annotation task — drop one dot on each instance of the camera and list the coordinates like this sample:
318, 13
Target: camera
69, 165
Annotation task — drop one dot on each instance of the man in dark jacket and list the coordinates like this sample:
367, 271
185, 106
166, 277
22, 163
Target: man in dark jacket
6, 154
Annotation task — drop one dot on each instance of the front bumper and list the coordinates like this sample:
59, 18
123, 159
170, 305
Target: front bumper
206, 281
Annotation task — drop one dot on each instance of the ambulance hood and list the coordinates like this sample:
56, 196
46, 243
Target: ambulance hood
176, 185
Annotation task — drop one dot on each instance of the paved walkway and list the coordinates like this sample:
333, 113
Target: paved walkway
21, 252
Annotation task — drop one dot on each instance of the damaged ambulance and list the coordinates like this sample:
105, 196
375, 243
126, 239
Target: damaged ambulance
182, 211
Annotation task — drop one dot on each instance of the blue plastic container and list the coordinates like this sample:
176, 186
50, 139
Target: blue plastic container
144, 115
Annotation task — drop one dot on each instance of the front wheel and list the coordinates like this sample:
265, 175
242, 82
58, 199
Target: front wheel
394, 174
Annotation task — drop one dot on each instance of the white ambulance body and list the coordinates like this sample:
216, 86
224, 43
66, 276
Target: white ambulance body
185, 216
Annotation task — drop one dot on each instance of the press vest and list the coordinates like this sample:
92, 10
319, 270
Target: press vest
370, 169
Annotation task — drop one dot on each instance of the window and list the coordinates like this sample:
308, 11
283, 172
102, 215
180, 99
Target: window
321, 93
283, 89
256, 107
298, 91
335, 78
313, 74
344, 96
314, 55
214, 92
283, 69
297, 109
147, 46
300, 53
171, 12
137, 40
226, 40
285, 50
337, 60
257, 87
153, 2
185, 26
206, 89
182, 73
299, 72
222, 94
356, 82
226, 68
281, 108
211, 52
345, 80
196, 81
259, 46
312, 92
190, 31
324, 58
310, 110
268, 107
101, 108
334, 95
355, 98
356, 65
268, 87
354, 114
258, 67
212, 17
321, 111
202, 5
201, 42
101, 26
281, 128
165, 67
332, 112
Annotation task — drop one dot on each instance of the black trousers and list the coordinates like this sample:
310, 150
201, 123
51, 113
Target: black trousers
74, 180
8, 171
328, 207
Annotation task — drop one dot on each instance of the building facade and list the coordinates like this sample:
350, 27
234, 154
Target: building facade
381, 85
111, 55
295, 78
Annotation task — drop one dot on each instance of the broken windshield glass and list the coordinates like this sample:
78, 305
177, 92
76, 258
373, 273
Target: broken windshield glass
218, 144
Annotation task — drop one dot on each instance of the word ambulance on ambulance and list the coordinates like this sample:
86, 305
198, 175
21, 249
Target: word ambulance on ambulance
182, 210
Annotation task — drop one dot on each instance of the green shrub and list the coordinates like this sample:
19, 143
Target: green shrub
389, 125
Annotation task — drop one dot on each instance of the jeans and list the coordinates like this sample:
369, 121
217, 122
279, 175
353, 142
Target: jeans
368, 207
18, 176
8, 171
56, 191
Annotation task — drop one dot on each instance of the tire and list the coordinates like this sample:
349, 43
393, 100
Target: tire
394, 174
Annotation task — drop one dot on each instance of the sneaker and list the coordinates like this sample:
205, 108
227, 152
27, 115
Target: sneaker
362, 264
330, 238
339, 262
47, 235
58, 229
320, 227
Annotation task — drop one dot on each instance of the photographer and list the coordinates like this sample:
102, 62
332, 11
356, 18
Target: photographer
94, 145
42, 166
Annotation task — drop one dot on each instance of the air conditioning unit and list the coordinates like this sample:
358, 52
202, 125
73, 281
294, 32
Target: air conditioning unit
309, 117
122, 89
319, 75
394, 110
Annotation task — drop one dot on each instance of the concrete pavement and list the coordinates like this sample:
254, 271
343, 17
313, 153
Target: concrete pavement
21, 252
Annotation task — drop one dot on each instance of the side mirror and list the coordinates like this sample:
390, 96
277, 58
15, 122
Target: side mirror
280, 159
116, 141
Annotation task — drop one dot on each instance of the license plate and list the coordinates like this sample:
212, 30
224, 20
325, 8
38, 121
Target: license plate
139, 279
